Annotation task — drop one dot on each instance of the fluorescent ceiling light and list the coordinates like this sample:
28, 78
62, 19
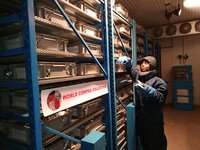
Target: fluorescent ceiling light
191, 3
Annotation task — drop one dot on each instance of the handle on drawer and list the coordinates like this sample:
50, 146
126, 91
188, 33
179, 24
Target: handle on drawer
59, 65
50, 39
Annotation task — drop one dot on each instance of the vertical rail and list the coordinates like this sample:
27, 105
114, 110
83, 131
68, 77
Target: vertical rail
112, 83
108, 100
131, 138
134, 50
31, 74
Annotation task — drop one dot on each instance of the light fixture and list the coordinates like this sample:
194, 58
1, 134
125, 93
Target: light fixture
176, 11
191, 3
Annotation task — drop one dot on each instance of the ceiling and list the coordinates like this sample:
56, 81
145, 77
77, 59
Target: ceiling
151, 13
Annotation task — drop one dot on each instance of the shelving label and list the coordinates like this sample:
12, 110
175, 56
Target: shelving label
57, 99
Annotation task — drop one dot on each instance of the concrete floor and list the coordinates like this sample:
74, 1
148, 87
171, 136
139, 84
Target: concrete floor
182, 128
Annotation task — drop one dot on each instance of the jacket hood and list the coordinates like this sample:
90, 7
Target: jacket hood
151, 60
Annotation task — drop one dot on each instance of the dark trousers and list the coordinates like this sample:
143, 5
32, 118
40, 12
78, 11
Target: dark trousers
151, 138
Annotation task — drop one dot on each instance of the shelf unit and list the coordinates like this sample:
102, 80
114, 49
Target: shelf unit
124, 35
23, 20
182, 87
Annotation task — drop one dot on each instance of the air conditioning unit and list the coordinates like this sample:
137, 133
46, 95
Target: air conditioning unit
180, 29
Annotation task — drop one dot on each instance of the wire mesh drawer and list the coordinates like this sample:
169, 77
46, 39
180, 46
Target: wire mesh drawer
88, 69
86, 128
79, 48
87, 29
56, 69
86, 108
3, 128
20, 100
53, 15
91, 11
12, 41
49, 42
5, 99
59, 121
12, 71
19, 132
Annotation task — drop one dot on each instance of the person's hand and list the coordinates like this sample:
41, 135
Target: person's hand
123, 60
135, 73
146, 90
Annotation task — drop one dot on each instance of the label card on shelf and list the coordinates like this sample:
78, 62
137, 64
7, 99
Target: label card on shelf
57, 99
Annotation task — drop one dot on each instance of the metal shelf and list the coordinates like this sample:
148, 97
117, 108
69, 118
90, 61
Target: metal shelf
49, 81
74, 125
73, 10
45, 26
120, 19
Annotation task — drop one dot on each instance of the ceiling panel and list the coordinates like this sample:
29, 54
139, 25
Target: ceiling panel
151, 13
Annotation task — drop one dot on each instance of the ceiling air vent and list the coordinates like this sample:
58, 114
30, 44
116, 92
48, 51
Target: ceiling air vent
185, 28
197, 26
157, 32
171, 30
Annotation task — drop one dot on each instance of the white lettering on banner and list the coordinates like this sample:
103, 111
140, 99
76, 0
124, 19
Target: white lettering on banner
57, 99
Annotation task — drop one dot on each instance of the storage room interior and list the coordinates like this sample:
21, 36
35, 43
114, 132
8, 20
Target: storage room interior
61, 86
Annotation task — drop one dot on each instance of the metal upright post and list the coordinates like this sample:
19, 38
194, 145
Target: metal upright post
112, 84
32, 74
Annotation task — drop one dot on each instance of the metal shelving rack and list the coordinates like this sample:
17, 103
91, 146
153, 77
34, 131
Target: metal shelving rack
25, 17
128, 143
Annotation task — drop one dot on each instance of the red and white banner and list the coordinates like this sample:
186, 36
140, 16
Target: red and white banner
57, 99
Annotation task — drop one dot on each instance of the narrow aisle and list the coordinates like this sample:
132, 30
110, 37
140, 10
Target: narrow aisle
182, 128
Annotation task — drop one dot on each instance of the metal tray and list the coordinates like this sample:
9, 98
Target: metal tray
53, 15
59, 121
12, 41
88, 69
87, 29
48, 70
49, 42
84, 109
86, 128
79, 48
